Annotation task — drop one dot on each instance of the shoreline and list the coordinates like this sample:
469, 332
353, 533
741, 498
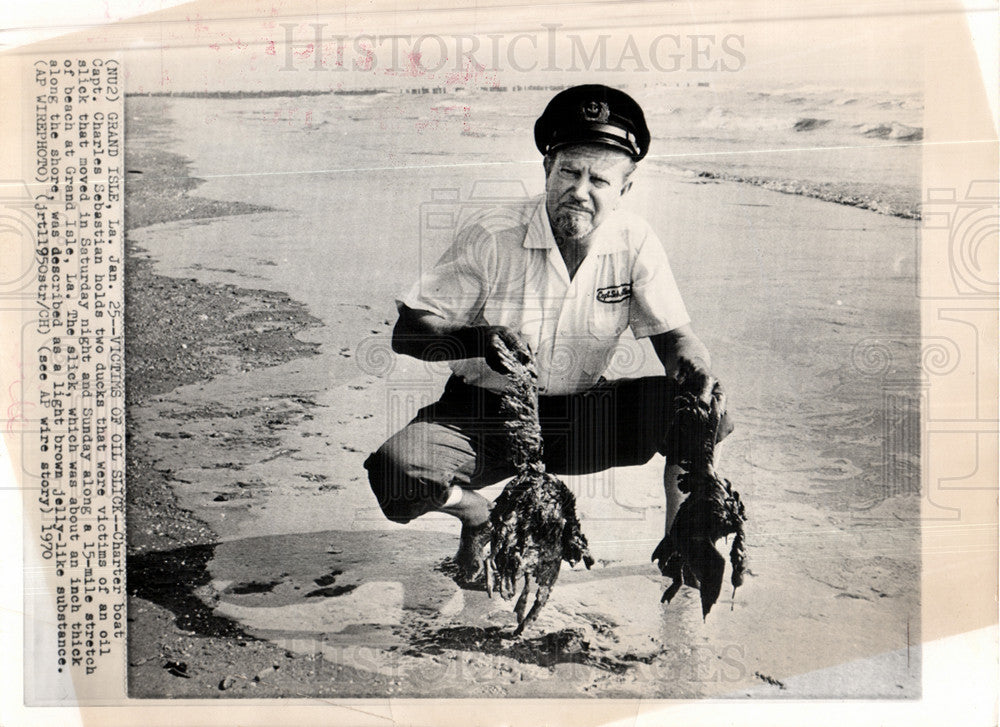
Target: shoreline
168, 341
173, 328
880, 199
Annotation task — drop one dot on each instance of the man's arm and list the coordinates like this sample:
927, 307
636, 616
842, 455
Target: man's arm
430, 337
681, 345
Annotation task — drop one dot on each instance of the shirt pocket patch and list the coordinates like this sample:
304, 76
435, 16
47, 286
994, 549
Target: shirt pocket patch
614, 293
611, 296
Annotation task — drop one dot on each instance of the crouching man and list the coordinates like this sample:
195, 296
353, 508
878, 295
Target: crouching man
563, 276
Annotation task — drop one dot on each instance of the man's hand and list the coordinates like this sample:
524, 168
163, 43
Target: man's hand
712, 395
686, 358
692, 376
497, 340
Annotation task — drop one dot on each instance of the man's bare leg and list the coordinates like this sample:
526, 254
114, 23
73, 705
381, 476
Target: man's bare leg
474, 511
468, 506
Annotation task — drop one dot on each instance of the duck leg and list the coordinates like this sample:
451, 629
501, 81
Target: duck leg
541, 596
522, 600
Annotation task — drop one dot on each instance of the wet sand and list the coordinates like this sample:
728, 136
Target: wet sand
259, 380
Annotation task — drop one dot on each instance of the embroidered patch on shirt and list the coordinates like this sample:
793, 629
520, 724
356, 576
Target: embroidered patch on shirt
615, 294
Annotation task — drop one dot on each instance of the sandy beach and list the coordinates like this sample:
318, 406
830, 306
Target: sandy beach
267, 238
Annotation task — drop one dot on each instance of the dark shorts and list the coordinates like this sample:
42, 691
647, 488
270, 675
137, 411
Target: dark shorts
460, 440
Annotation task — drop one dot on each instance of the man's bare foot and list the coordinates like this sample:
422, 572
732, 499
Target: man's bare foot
471, 545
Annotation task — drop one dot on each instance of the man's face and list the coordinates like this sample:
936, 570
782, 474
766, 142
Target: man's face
583, 185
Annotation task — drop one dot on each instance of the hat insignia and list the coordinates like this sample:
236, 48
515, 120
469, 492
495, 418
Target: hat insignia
596, 111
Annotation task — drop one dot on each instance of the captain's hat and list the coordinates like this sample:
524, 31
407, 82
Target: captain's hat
593, 114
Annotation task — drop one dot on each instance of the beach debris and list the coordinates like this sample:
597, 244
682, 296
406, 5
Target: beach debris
534, 522
177, 668
227, 682
767, 679
712, 508
265, 672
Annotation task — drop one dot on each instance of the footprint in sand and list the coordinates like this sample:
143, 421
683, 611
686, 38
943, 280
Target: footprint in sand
313, 477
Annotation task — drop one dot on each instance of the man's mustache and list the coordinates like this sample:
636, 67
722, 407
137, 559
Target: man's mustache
575, 207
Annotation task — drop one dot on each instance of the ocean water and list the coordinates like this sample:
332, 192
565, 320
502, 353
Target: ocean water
826, 136
821, 142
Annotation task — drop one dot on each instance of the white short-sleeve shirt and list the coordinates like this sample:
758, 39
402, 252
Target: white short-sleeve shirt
504, 269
